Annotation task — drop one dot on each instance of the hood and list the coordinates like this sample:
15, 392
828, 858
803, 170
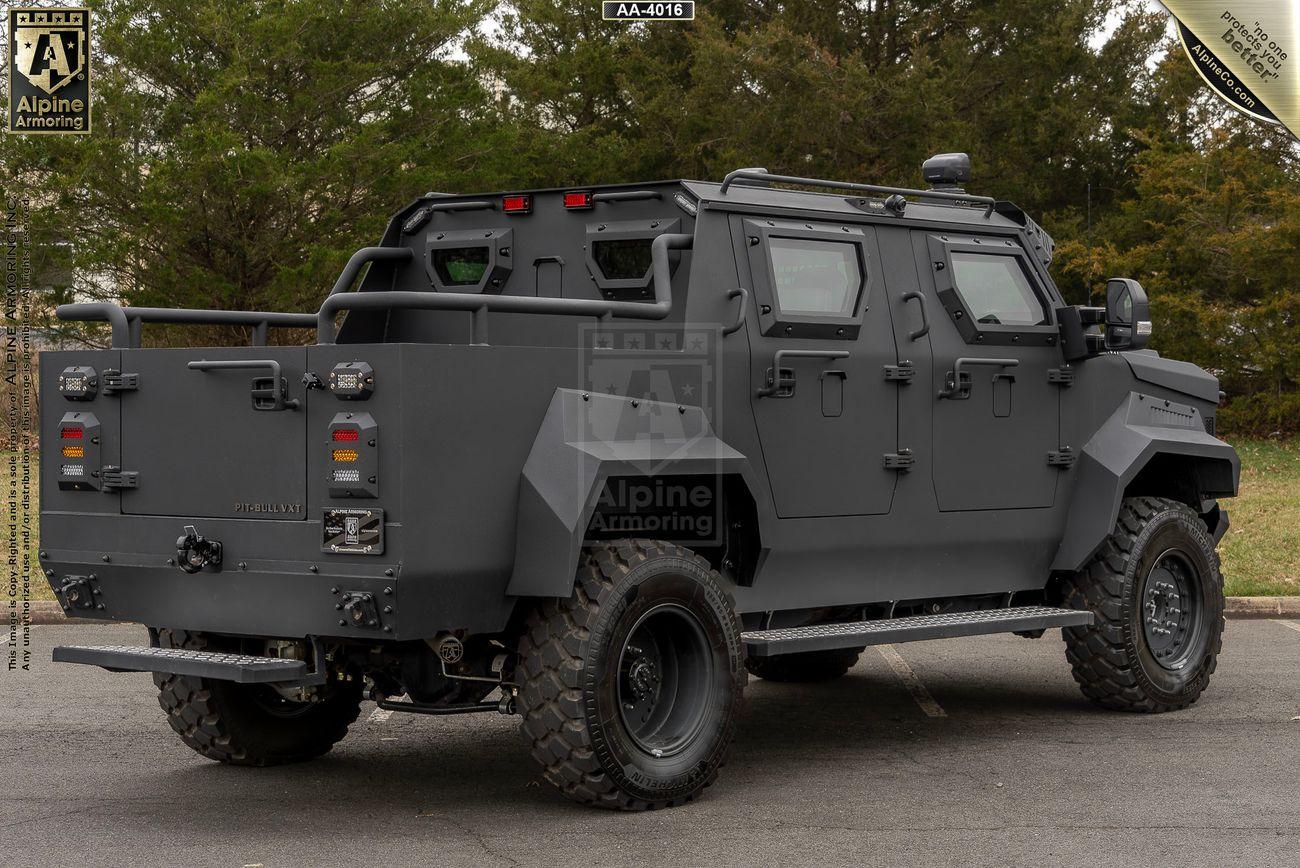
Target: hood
1172, 374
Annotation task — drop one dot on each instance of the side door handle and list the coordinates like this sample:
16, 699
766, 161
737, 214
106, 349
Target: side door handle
744, 308
959, 381
268, 393
781, 384
925, 319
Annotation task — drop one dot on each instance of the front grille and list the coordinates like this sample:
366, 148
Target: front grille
1209, 425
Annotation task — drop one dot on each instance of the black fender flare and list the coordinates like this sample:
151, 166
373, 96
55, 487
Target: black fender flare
586, 438
1140, 429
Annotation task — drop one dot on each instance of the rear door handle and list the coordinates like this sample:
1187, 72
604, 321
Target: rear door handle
779, 386
269, 393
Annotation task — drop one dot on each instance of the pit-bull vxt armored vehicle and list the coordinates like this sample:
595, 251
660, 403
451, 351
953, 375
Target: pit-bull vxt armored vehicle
594, 456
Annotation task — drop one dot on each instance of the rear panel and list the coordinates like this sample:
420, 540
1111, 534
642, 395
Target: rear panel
199, 446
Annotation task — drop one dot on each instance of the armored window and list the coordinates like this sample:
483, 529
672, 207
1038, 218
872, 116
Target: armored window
623, 259
996, 289
460, 266
815, 278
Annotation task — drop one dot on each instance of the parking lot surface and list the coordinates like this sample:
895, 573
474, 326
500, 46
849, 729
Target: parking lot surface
958, 752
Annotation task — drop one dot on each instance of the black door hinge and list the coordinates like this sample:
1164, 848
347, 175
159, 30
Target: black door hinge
1063, 457
902, 460
1062, 376
113, 477
112, 382
902, 373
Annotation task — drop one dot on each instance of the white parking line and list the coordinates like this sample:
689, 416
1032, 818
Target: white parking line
911, 681
379, 715
1294, 625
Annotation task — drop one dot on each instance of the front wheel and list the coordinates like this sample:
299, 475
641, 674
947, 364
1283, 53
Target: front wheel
1156, 594
630, 689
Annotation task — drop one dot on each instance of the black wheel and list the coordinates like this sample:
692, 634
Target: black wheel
251, 724
1157, 596
807, 666
630, 689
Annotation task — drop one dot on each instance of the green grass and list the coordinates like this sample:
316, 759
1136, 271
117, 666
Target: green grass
1261, 552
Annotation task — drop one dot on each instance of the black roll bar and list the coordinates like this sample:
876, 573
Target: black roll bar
366, 255
763, 175
126, 321
481, 305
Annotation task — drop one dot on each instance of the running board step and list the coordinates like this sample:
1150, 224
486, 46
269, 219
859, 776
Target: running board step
241, 668
820, 637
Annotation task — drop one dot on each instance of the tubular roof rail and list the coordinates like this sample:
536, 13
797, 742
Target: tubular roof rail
126, 321
763, 175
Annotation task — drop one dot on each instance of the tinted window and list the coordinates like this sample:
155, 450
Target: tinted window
996, 289
460, 266
625, 259
815, 277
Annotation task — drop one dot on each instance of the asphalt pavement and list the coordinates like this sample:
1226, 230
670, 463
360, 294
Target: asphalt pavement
958, 752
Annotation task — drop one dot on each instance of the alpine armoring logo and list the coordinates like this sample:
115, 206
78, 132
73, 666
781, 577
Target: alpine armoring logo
49, 71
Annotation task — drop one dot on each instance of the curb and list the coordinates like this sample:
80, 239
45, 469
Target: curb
49, 612
1262, 607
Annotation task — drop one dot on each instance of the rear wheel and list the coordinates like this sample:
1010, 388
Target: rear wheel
630, 689
1157, 596
251, 724
807, 666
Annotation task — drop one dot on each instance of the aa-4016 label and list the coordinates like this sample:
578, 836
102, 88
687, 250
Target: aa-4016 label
683, 11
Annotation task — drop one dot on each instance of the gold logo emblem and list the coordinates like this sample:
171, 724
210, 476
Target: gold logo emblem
49, 70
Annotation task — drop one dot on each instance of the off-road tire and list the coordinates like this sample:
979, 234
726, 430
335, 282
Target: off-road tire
804, 667
570, 660
1113, 660
224, 721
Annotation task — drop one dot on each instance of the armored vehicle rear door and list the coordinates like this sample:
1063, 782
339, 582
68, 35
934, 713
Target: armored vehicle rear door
203, 444
996, 369
820, 337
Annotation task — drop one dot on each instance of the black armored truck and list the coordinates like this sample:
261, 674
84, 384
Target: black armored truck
593, 456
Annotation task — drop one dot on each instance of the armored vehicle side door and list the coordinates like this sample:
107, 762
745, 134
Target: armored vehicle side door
996, 371
820, 337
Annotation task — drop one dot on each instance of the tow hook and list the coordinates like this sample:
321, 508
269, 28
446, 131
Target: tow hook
194, 552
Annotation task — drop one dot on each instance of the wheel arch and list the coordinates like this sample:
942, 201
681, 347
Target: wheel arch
588, 439
1148, 446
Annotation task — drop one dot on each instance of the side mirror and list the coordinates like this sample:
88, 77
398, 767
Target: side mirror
1128, 315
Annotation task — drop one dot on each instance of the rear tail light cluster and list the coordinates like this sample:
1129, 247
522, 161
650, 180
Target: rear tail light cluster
79, 451
353, 456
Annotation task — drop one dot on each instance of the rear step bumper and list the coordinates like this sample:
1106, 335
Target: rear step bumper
821, 637
241, 668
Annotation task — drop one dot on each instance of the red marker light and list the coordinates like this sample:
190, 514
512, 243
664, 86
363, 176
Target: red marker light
71, 434
576, 200
345, 434
520, 204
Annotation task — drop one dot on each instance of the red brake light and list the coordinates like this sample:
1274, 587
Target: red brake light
71, 434
581, 199
346, 434
520, 204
